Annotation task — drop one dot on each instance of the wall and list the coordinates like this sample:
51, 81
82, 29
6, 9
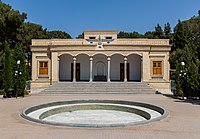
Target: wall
99, 58
84, 65
65, 67
115, 66
135, 67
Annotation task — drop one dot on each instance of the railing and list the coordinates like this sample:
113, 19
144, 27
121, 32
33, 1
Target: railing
142, 41
44, 42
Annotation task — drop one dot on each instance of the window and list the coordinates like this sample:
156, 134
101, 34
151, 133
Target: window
157, 67
109, 38
92, 38
43, 68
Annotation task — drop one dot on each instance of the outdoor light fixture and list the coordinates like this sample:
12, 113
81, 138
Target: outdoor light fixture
183, 63
17, 74
183, 76
18, 62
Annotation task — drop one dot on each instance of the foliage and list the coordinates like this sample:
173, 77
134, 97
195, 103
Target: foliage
159, 33
133, 34
2, 92
8, 80
26, 92
10, 21
186, 48
1, 68
20, 81
28, 31
149, 35
167, 31
80, 36
57, 35
15, 41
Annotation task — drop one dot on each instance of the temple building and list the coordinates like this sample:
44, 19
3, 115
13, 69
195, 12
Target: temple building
100, 57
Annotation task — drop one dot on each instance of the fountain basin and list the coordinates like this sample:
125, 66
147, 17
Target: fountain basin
94, 113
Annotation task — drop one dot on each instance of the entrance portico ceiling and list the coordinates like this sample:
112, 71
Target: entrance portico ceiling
92, 54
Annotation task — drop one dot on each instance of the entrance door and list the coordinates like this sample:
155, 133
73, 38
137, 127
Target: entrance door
128, 72
100, 69
122, 71
78, 71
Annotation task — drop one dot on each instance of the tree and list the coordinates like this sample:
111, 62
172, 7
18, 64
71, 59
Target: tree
20, 82
1, 68
80, 36
10, 21
149, 35
15, 41
158, 32
133, 34
57, 35
182, 36
27, 32
185, 47
167, 30
8, 81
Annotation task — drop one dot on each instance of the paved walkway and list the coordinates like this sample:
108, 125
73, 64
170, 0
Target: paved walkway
182, 123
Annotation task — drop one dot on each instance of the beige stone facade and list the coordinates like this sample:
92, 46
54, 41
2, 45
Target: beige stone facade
102, 56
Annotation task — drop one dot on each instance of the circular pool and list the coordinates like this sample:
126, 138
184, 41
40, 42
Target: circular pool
94, 113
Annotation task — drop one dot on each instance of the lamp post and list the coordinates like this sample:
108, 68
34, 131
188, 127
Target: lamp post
182, 75
17, 74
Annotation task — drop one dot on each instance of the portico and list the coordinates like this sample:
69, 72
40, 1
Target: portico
100, 56
99, 68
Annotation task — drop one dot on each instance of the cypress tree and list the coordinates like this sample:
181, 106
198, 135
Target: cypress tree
20, 82
8, 81
158, 32
167, 30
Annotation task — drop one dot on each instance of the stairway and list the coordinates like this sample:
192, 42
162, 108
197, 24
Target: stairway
98, 88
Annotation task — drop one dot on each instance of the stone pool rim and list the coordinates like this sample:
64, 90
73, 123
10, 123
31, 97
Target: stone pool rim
164, 113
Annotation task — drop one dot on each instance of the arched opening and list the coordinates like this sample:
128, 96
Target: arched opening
117, 72
83, 67
134, 61
100, 67
65, 67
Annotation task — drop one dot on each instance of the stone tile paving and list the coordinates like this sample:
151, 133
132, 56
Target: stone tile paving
183, 121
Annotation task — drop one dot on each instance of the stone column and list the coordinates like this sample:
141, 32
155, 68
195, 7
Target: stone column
91, 60
74, 70
108, 78
51, 69
54, 67
141, 69
58, 69
34, 68
145, 67
125, 69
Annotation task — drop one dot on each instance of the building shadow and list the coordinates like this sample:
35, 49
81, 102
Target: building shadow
192, 100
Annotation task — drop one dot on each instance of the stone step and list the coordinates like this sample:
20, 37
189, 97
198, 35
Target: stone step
82, 93
87, 90
97, 85
98, 88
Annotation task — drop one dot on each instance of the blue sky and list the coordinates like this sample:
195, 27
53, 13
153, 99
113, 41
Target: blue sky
75, 16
